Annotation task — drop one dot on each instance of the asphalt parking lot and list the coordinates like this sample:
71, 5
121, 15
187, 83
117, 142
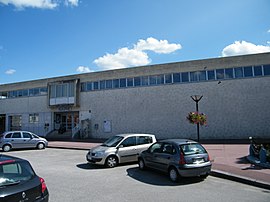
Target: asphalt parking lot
70, 178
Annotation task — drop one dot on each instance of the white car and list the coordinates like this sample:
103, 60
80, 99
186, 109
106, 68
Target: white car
120, 148
21, 139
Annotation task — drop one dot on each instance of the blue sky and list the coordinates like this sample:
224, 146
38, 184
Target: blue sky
50, 38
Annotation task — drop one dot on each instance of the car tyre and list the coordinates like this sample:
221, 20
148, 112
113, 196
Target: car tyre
6, 148
40, 146
173, 174
111, 161
141, 164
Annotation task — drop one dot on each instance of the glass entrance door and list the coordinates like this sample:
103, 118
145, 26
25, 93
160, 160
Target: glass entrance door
66, 120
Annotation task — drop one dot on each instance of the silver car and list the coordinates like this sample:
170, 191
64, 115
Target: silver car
178, 158
120, 148
21, 139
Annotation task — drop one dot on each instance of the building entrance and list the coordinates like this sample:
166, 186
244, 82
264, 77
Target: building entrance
65, 121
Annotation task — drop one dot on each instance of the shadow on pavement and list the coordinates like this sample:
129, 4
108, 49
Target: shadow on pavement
88, 166
157, 178
242, 160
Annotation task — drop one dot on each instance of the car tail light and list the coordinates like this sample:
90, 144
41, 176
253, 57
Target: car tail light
208, 157
43, 185
182, 159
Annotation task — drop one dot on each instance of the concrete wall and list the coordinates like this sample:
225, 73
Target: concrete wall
29, 105
235, 109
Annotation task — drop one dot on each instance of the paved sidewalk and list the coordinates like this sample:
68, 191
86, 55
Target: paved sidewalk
229, 161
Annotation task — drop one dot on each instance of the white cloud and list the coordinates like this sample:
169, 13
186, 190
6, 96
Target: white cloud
158, 46
20, 4
268, 31
123, 58
42, 4
243, 48
136, 56
82, 69
71, 2
10, 71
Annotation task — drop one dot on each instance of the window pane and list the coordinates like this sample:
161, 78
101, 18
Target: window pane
116, 83
137, 81
123, 83
129, 82
102, 84
130, 141
220, 73
16, 135
53, 91
19, 93
89, 86
238, 72
153, 80
258, 71
193, 76
26, 135
108, 83
202, 75
185, 77
266, 69
145, 81
229, 73
176, 78
211, 75
248, 71
160, 79
25, 92
64, 88
168, 78
96, 85
83, 87
43, 91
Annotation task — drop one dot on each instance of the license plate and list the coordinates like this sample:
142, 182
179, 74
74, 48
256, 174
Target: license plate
201, 160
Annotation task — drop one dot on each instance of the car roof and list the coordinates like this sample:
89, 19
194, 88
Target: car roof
133, 134
16, 131
179, 141
4, 158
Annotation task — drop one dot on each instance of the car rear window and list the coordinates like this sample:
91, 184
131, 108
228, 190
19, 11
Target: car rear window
190, 149
8, 135
15, 173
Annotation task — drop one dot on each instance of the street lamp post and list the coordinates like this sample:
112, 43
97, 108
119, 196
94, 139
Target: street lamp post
197, 98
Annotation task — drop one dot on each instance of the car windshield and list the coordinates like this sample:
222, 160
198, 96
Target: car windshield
190, 149
35, 136
15, 172
113, 141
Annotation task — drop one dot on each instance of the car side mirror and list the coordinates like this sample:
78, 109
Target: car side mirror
120, 146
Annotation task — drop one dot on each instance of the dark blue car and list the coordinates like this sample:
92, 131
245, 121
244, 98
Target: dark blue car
19, 182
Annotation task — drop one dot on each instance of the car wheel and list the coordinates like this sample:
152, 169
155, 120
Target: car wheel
40, 146
6, 148
173, 174
141, 164
111, 161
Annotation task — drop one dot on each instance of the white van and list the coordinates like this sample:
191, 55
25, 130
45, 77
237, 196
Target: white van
120, 148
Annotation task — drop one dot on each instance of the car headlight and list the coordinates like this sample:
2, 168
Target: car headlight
100, 153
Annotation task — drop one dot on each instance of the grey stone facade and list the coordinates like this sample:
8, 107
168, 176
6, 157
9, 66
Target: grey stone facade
236, 108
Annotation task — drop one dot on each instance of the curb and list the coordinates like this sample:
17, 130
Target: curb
241, 179
75, 148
